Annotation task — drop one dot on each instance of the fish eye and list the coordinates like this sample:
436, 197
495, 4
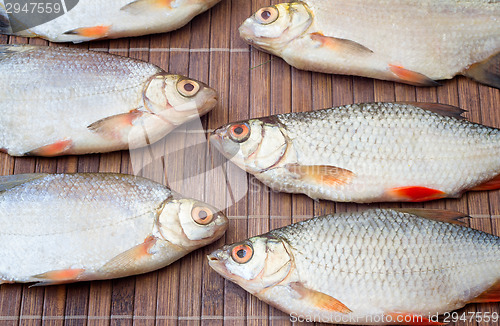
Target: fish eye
239, 132
188, 87
267, 15
202, 215
242, 253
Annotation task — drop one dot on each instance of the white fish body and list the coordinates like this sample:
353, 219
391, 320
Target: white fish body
97, 19
411, 41
58, 101
65, 228
375, 267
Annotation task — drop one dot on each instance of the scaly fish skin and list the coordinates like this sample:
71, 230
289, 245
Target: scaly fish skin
358, 268
59, 101
105, 19
73, 227
410, 41
366, 152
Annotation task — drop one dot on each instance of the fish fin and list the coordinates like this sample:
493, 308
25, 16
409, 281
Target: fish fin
486, 72
141, 6
441, 109
319, 299
492, 184
131, 258
340, 44
436, 215
5, 27
113, 127
321, 174
411, 77
94, 32
59, 276
11, 181
7, 50
490, 295
415, 194
413, 320
55, 149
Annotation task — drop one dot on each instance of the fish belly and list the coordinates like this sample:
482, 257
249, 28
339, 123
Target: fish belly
61, 222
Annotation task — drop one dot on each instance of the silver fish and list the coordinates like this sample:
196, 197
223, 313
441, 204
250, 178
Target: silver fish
367, 152
378, 267
59, 101
59, 228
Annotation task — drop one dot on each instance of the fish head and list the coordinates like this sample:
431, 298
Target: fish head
190, 223
272, 28
255, 264
254, 145
177, 99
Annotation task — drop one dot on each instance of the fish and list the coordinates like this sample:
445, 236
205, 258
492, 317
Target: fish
62, 228
89, 20
377, 267
370, 152
416, 42
67, 101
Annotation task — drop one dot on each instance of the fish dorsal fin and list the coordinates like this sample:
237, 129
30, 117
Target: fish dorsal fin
490, 295
441, 109
487, 71
436, 215
10, 181
319, 299
138, 7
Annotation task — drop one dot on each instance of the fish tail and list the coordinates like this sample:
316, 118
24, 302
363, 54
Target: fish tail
487, 71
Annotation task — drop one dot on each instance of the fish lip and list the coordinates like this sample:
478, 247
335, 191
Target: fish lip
209, 104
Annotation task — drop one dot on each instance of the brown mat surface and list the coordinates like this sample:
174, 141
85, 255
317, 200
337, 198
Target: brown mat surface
188, 292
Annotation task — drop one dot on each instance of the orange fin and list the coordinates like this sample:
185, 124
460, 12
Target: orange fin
91, 32
340, 44
114, 126
492, 184
143, 6
415, 194
130, 260
436, 214
59, 276
412, 320
490, 295
487, 71
55, 149
321, 174
319, 300
441, 109
411, 77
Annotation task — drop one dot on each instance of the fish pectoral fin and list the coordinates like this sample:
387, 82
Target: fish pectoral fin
59, 276
436, 215
486, 72
414, 194
319, 299
441, 109
56, 149
411, 77
116, 126
143, 6
492, 184
490, 295
93, 32
339, 44
131, 259
11, 181
321, 174
412, 319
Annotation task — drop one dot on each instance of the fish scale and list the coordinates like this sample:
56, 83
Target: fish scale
375, 262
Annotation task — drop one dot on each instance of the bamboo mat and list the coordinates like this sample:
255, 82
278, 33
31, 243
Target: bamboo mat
188, 292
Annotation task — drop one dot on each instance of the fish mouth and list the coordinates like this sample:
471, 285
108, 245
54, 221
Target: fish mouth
209, 104
215, 261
